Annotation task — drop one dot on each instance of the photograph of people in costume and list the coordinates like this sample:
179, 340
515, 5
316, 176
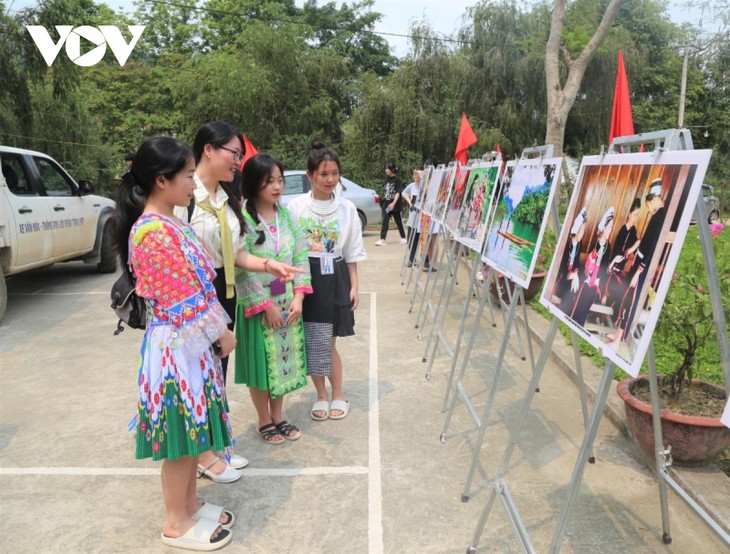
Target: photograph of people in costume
520, 216
432, 181
443, 193
475, 209
457, 198
619, 245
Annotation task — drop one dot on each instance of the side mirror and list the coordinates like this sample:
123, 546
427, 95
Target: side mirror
86, 187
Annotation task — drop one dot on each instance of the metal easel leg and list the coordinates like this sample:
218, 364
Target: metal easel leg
492, 393
579, 469
459, 387
515, 434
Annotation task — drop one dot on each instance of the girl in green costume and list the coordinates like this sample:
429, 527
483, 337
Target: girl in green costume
270, 355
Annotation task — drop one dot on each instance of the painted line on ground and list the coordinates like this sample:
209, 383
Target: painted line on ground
121, 471
375, 492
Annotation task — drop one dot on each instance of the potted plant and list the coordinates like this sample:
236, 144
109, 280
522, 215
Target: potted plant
690, 408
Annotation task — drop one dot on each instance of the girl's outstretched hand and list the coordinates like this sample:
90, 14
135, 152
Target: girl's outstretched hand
283, 271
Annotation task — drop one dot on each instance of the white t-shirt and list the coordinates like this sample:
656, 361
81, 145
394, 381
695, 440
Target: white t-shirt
206, 224
330, 228
413, 192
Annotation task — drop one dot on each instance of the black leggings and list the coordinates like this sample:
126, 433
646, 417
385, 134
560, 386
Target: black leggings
229, 305
386, 223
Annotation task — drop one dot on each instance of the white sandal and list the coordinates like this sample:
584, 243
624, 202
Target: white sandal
199, 537
342, 405
213, 512
320, 406
229, 475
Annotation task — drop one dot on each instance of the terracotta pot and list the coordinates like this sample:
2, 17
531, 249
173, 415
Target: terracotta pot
535, 286
695, 441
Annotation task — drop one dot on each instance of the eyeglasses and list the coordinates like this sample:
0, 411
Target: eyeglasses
237, 155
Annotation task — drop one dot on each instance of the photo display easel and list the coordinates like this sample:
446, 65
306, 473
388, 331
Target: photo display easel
466, 222
668, 182
533, 182
436, 193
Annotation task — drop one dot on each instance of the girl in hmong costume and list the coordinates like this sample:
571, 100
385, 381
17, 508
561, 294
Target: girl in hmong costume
270, 355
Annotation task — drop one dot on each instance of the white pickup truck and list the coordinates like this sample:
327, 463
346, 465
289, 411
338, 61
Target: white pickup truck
47, 217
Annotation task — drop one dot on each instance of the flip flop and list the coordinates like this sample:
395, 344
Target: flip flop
213, 513
198, 537
342, 405
320, 406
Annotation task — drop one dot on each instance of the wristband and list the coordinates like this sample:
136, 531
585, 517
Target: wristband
266, 265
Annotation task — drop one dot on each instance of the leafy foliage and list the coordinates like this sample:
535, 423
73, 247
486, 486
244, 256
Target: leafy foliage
287, 75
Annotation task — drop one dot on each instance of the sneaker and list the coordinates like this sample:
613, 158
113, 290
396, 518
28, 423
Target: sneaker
381, 242
404, 241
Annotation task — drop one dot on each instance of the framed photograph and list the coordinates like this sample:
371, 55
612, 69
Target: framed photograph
619, 245
442, 181
521, 212
457, 197
473, 215
431, 188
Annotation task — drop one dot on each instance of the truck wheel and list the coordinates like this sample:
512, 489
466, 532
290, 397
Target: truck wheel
108, 259
363, 221
3, 295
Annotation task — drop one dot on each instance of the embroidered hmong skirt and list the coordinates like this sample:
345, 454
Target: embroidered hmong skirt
182, 410
327, 313
269, 359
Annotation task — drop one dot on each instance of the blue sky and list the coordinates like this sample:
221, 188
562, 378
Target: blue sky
444, 16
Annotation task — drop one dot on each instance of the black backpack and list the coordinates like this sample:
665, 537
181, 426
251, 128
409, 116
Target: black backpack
129, 307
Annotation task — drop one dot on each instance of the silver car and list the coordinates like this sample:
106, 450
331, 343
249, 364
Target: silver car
366, 201
712, 205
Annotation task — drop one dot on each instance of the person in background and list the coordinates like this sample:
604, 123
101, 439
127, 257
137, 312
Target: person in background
392, 190
329, 311
184, 320
129, 158
270, 355
412, 197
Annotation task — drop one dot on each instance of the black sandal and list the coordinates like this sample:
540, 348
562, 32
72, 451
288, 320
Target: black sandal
288, 431
269, 432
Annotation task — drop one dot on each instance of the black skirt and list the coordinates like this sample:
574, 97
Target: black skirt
330, 301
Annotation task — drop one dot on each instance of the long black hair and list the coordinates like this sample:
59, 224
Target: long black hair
218, 134
256, 171
157, 156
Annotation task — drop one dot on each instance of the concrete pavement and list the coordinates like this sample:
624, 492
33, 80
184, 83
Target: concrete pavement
378, 481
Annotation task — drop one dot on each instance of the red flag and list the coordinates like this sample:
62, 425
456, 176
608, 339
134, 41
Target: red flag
250, 150
498, 149
622, 122
465, 140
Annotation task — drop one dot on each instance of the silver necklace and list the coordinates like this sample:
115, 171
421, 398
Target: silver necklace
323, 211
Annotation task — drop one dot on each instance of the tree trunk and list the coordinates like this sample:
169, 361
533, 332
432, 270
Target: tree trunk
560, 97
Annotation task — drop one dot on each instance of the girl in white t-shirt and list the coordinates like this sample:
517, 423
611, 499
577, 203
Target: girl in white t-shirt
335, 244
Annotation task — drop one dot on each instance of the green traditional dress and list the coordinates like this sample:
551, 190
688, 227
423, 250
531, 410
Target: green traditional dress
271, 359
